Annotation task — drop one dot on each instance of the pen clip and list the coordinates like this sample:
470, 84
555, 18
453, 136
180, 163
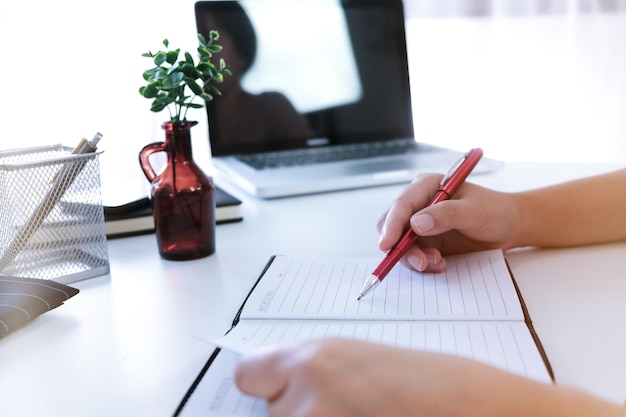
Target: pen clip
454, 167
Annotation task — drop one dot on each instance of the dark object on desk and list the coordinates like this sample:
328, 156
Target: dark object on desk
182, 195
135, 217
23, 299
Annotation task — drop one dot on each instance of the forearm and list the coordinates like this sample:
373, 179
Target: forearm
585, 211
483, 391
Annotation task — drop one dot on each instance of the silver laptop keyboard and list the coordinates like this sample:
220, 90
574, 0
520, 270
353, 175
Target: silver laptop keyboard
336, 153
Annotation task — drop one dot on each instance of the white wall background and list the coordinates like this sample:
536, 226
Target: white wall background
521, 83
526, 80
70, 68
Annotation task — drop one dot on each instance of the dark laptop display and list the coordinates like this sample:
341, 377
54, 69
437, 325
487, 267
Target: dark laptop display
369, 35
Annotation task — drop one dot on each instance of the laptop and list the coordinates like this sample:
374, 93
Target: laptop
319, 99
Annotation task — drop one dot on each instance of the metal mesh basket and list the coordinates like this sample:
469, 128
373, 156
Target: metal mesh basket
51, 217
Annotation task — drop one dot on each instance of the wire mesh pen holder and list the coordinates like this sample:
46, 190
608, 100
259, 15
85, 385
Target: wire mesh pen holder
51, 216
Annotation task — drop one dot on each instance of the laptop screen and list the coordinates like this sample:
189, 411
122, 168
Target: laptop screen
307, 73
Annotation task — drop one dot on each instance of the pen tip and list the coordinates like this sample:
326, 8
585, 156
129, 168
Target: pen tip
359, 297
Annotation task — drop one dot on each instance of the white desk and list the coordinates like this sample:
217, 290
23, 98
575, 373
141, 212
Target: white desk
132, 342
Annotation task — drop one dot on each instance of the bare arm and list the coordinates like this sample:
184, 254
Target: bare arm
585, 211
349, 378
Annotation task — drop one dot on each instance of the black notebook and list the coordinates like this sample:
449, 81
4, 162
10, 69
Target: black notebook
135, 217
24, 299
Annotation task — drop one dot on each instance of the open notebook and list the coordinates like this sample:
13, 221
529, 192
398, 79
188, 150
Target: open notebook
319, 99
472, 310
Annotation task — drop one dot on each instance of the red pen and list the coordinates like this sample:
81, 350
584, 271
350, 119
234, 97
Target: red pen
449, 185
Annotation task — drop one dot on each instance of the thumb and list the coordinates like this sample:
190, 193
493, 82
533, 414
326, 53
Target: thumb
259, 373
442, 217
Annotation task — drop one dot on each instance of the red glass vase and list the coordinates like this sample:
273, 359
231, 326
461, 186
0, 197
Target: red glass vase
183, 197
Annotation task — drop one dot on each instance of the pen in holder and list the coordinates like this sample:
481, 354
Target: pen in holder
52, 216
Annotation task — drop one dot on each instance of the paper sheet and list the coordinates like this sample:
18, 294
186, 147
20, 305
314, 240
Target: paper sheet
471, 310
474, 287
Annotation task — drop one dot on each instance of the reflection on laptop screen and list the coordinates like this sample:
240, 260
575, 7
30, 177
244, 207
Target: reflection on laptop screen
300, 55
307, 73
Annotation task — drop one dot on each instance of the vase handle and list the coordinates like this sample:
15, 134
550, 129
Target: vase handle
144, 159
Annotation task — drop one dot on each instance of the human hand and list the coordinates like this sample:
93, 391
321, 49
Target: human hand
349, 378
476, 218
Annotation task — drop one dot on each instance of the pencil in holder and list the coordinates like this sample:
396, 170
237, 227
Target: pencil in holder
51, 214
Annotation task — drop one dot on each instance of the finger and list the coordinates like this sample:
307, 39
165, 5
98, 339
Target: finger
443, 217
415, 259
381, 221
396, 219
435, 261
424, 259
260, 374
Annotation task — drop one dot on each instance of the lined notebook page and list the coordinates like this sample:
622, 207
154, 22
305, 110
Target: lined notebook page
475, 286
505, 345
471, 310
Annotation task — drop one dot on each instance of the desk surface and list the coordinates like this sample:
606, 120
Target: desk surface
132, 341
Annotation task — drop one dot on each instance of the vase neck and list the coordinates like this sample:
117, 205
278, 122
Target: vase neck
178, 140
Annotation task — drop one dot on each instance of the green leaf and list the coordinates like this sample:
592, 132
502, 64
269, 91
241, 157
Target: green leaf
204, 53
211, 89
157, 106
201, 39
208, 69
151, 90
195, 87
161, 73
164, 98
172, 56
172, 81
214, 48
190, 71
189, 59
148, 75
166, 43
206, 97
195, 105
173, 68
160, 58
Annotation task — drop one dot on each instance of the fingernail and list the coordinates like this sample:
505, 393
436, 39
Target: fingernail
380, 237
441, 266
432, 260
423, 223
417, 263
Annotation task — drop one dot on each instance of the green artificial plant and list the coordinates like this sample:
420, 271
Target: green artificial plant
169, 81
